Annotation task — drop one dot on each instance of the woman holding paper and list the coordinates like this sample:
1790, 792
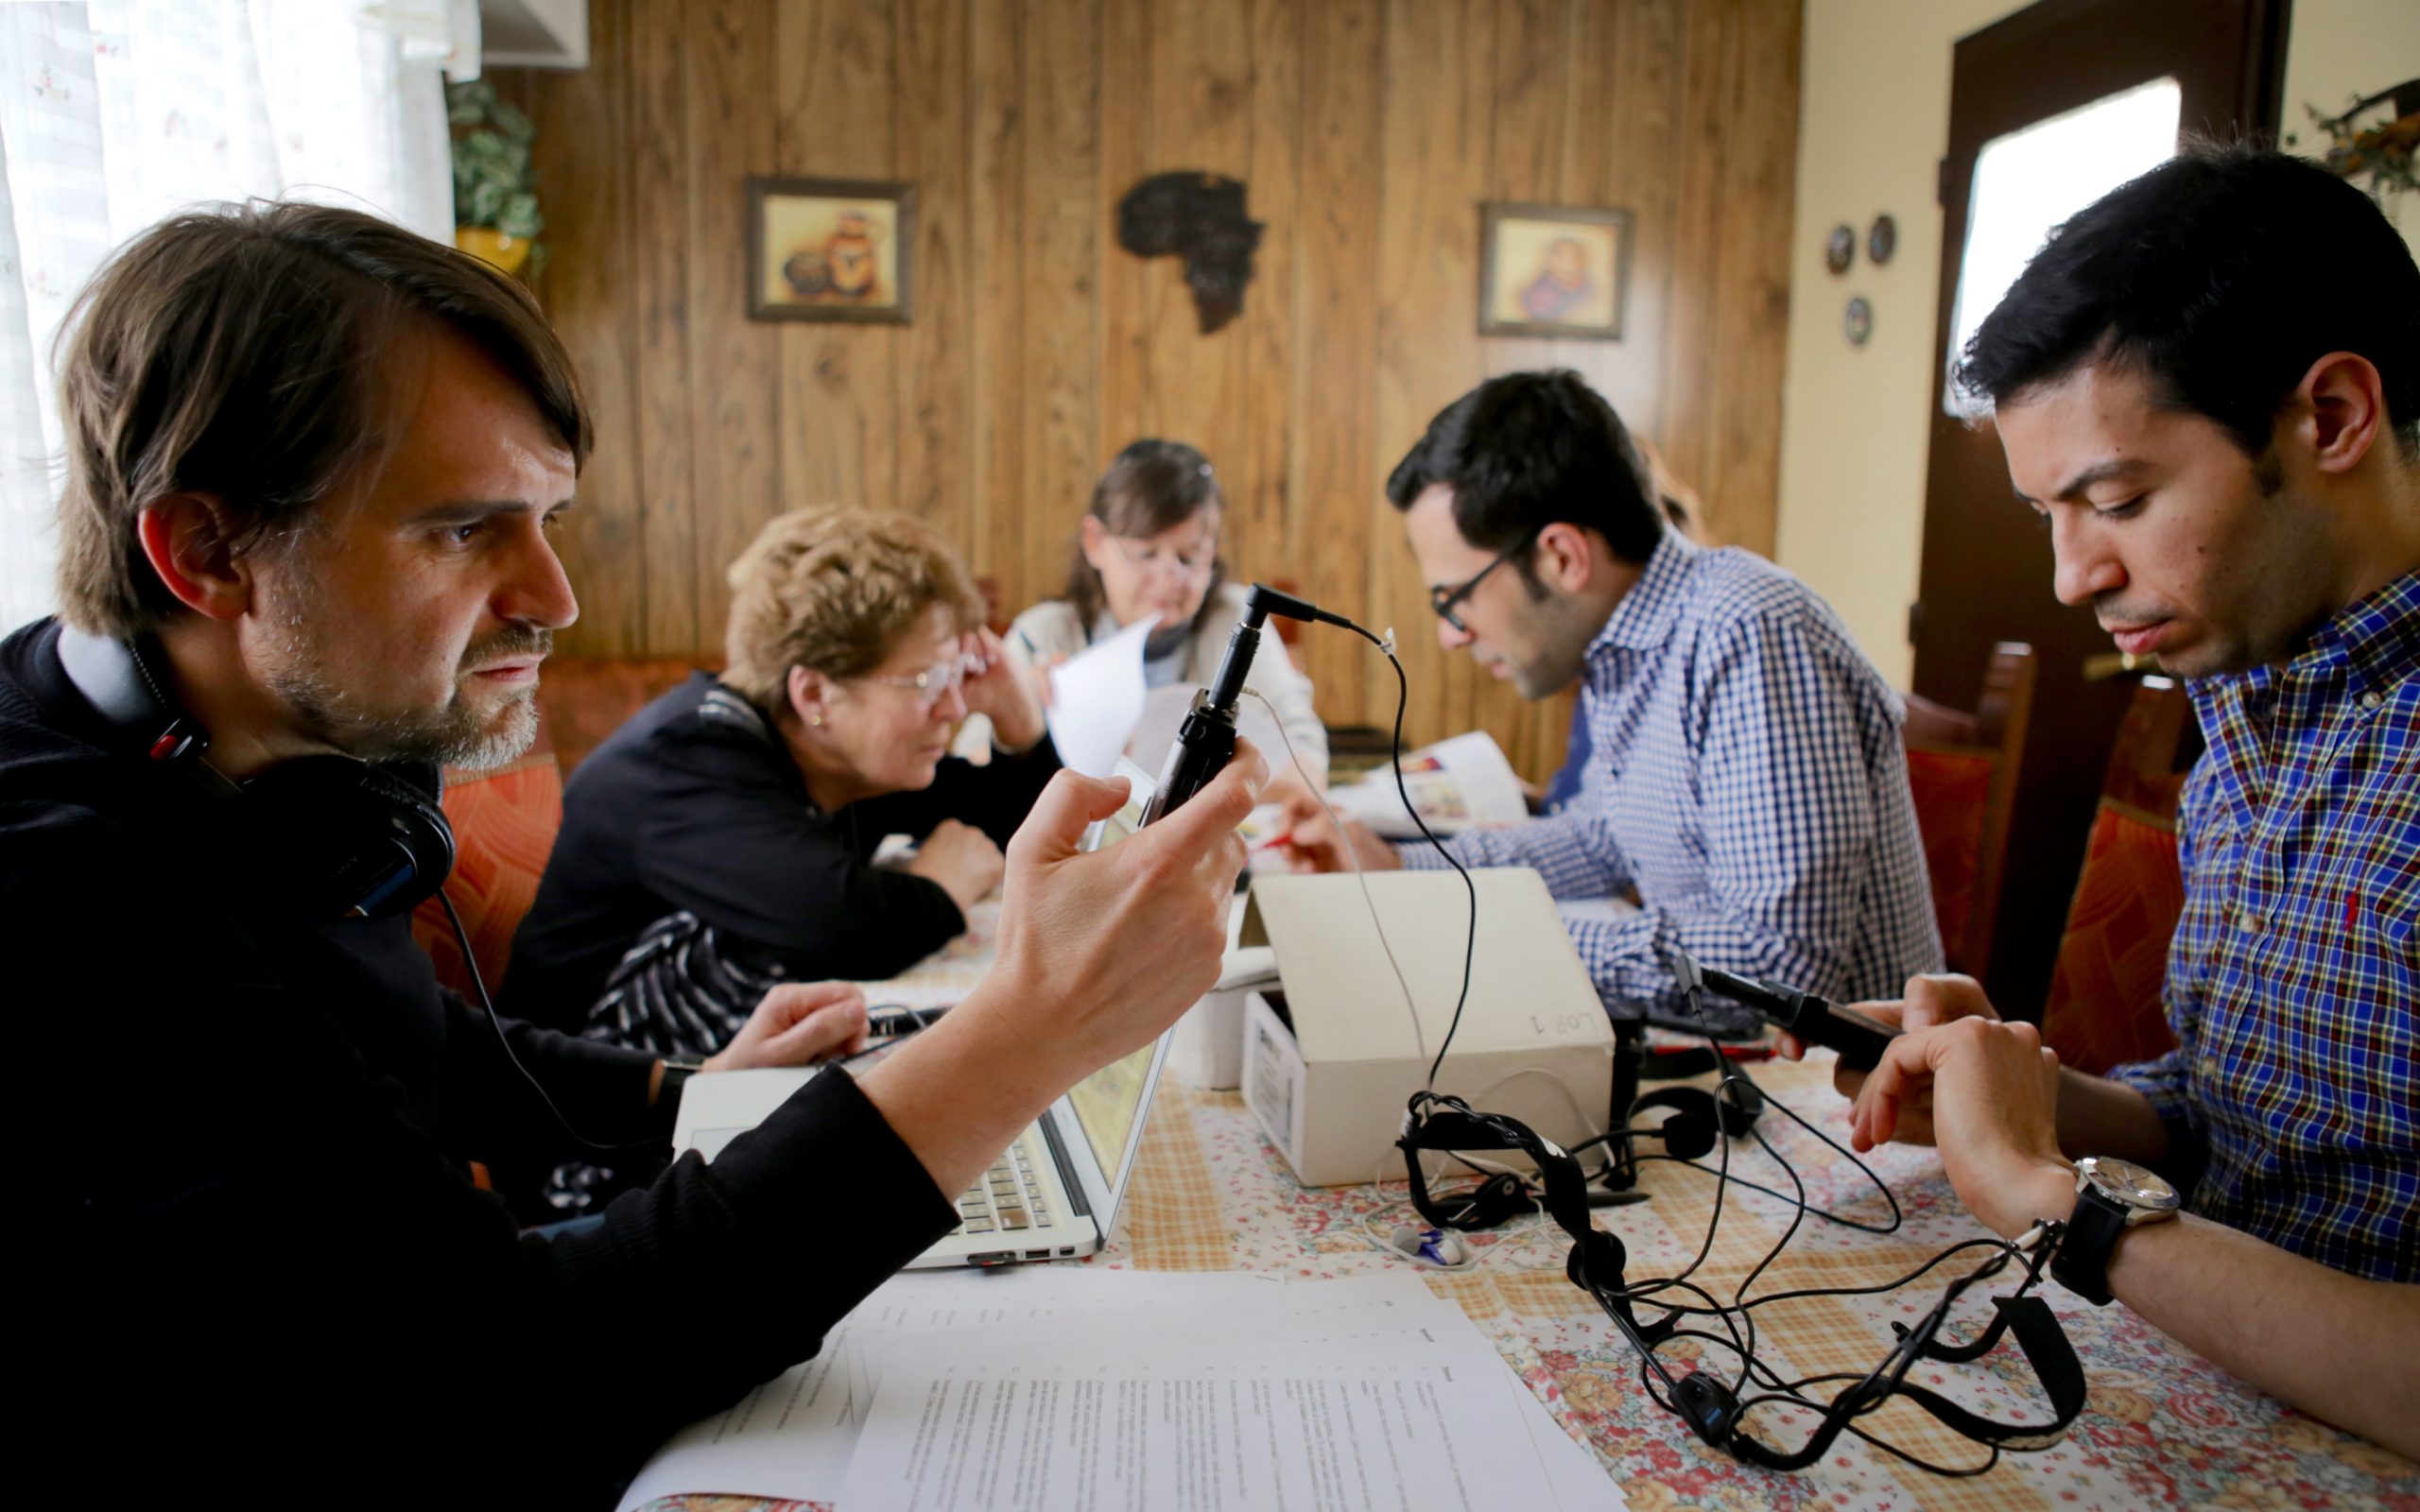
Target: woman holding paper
725, 836
1148, 549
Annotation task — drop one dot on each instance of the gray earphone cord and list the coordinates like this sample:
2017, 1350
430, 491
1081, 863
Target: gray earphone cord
471, 964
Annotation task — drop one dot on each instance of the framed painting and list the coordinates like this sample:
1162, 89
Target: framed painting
831, 249
1553, 270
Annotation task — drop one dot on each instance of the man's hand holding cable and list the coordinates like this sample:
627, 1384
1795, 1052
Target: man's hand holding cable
1931, 1000
1995, 1091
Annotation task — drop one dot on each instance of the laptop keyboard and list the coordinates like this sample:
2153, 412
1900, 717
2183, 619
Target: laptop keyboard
1004, 1199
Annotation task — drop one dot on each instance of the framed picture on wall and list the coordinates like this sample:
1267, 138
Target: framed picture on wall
1553, 270
831, 249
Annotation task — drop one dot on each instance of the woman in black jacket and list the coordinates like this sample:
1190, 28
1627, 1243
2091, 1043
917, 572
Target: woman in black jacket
723, 839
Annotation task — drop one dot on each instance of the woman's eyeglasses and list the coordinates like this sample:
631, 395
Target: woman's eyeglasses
934, 683
1197, 562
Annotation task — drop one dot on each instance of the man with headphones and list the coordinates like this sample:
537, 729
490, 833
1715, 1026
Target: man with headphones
313, 466
2208, 386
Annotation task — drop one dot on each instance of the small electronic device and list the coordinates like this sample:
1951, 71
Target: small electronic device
1861, 1040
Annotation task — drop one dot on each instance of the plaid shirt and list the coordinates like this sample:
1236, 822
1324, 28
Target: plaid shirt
1746, 776
2295, 967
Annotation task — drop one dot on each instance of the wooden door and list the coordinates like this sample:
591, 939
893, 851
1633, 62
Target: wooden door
1985, 573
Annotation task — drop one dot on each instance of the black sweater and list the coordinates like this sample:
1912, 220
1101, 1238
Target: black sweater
254, 1233
696, 805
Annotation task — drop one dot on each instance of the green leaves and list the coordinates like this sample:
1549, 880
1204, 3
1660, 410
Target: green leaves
493, 184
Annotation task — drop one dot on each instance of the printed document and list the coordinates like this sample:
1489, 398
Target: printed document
1370, 1406
1077, 1387
791, 1437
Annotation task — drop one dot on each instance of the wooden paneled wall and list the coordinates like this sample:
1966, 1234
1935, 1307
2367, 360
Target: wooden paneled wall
1369, 132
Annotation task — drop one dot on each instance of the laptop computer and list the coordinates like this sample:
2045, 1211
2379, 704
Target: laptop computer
1054, 1193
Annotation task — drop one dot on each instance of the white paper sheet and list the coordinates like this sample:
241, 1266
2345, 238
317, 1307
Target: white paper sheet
1096, 701
1580, 1483
792, 1436
1164, 712
1382, 1406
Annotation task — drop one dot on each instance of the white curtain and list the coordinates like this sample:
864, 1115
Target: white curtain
115, 113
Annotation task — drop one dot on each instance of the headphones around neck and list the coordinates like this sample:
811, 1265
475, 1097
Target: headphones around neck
347, 838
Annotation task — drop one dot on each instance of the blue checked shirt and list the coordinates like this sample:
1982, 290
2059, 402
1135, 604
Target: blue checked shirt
2295, 966
1745, 775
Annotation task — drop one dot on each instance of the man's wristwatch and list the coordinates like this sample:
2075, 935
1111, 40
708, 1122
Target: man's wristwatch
2111, 1196
677, 1070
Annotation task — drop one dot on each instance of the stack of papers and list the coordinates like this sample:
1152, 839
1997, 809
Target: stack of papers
1067, 1386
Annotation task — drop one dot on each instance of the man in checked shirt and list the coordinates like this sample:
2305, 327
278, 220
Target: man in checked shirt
2208, 386
1745, 775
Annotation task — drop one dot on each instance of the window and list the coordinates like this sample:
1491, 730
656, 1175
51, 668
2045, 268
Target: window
2028, 182
116, 113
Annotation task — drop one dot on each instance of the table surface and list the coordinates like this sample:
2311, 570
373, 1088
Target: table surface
2163, 1427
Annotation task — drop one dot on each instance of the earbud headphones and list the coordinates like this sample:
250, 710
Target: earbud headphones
351, 840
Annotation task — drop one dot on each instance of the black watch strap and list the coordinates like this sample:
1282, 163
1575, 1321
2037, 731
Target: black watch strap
2082, 1264
677, 1072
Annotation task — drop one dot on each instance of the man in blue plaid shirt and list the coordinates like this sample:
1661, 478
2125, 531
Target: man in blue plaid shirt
2208, 385
1745, 776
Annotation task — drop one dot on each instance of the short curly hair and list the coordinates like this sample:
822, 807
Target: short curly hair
835, 590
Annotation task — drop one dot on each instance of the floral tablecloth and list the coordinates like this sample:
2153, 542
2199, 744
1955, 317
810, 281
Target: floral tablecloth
2163, 1428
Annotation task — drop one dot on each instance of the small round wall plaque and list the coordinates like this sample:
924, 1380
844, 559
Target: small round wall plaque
1882, 240
1857, 320
1839, 248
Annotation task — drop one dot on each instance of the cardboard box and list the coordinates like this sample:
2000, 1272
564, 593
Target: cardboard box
1207, 1048
1329, 1061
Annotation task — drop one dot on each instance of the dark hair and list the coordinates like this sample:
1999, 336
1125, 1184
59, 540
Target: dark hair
2222, 275
1534, 449
241, 351
1151, 487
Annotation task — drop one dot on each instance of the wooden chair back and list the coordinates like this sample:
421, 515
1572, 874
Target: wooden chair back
2105, 1006
1961, 770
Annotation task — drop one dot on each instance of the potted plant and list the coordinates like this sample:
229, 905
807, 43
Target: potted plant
495, 193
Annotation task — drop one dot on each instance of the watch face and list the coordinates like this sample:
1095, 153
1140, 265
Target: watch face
2126, 1182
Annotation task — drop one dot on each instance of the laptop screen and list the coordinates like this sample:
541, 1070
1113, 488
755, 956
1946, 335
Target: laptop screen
1106, 1104
1108, 1100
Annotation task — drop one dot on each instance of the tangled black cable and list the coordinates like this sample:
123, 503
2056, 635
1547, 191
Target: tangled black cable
1866, 1392
1718, 1412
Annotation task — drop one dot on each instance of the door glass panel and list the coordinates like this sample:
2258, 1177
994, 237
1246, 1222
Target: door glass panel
2030, 180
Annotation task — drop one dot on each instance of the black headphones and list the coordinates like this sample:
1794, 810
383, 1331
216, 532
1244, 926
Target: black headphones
349, 839
1689, 1133
1714, 1409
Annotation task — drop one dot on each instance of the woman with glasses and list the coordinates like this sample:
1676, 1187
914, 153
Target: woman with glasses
1147, 548
723, 839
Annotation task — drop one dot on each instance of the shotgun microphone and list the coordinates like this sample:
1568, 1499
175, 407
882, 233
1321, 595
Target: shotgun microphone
1207, 740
